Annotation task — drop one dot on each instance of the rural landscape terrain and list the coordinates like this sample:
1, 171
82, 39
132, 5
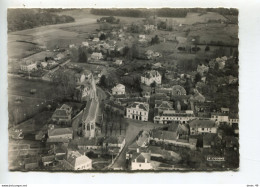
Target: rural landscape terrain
123, 89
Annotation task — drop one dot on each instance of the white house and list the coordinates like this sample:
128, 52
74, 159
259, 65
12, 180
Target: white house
201, 69
220, 117
198, 126
96, 56
141, 161
151, 76
77, 161
85, 44
118, 62
169, 116
95, 40
138, 111
118, 90
29, 67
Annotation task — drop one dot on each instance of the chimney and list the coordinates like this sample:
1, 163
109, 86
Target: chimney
137, 150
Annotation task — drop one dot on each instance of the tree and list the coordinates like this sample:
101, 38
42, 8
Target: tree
65, 83
102, 81
102, 36
197, 78
153, 85
155, 40
207, 48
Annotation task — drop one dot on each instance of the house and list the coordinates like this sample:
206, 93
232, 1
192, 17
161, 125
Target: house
85, 44
161, 106
199, 126
181, 129
233, 119
29, 66
168, 116
114, 142
157, 65
89, 144
138, 111
72, 46
141, 36
201, 69
172, 137
96, 56
232, 80
48, 160
151, 76
62, 114
197, 97
150, 27
141, 161
119, 89
118, 62
60, 135
95, 40
224, 110
235, 129
220, 117
80, 77
150, 54
76, 161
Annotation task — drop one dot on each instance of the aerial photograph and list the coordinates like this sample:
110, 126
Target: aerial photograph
123, 90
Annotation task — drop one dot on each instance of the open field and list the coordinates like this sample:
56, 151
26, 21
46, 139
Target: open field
30, 104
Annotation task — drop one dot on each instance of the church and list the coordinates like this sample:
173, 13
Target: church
90, 112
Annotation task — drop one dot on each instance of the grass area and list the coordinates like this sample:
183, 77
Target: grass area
22, 103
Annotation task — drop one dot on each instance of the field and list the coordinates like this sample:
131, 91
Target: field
22, 103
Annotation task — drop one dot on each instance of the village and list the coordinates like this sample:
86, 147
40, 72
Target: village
148, 94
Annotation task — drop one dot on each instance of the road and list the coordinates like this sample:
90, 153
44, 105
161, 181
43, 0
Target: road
132, 131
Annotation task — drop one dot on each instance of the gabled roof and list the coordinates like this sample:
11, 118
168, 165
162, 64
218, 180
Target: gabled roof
91, 111
59, 131
143, 106
141, 157
77, 159
197, 123
164, 104
151, 74
164, 135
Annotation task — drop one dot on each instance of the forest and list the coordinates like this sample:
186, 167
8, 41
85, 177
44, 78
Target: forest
163, 12
21, 19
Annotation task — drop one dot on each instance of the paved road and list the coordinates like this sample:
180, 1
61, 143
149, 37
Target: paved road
132, 131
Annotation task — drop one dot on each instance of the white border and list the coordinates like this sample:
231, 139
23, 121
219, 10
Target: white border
249, 35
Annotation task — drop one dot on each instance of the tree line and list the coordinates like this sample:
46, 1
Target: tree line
20, 19
162, 12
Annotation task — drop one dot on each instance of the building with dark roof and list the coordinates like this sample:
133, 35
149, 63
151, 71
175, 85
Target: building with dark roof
173, 137
62, 114
60, 135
